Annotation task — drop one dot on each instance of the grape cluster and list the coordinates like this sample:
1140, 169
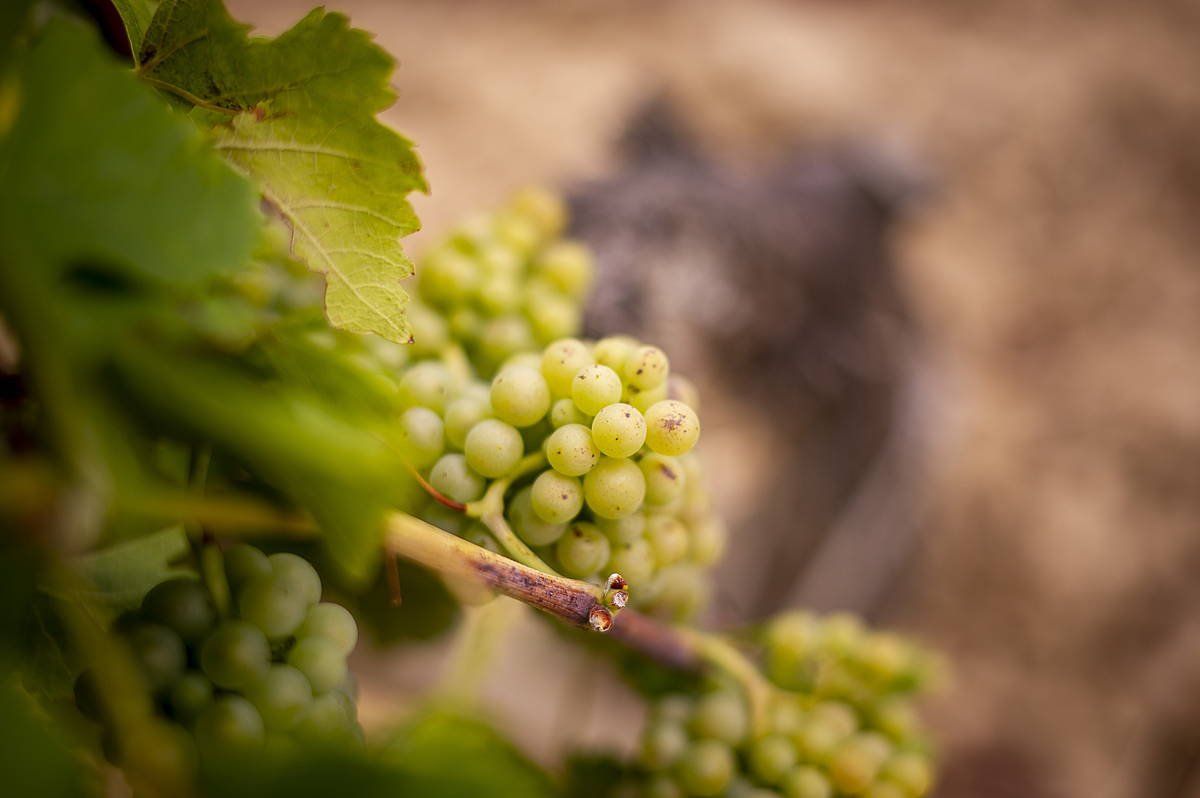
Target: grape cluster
808, 748
274, 672
620, 490
502, 283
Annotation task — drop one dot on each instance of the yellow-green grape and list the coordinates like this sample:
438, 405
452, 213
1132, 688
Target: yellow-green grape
551, 315
502, 337
856, 762
464, 323
320, 662
646, 368
230, 724
158, 651
189, 696
896, 718
541, 207
721, 715
531, 360
561, 361
243, 563
884, 656
499, 294
644, 400
520, 396
662, 787
426, 384
493, 448
448, 277
461, 415
495, 259
910, 771
679, 591
595, 387
516, 232
332, 622
430, 333
883, 789
271, 604
482, 537
473, 234
583, 550
564, 412
423, 434
706, 543
619, 430
623, 530
672, 428
706, 768
842, 634
839, 717
664, 478
786, 715
280, 696
663, 744
451, 476
528, 525
683, 390
614, 351
816, 741
297, 576
235, 655
633, 560
805, 781
556, 498
567, 265
676, 708
771, 757
667, 537
570, 450
614, 488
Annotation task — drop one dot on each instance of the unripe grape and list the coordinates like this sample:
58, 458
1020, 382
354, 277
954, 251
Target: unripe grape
672, 427
158, 651
679, 590
663, 744
556, 498
451, 476
583, 550
564, 412
842, 633
667, 537
320, 661
706, 543
183, 606
544, 208
706, 768
552, 316
465, 323
634, 561
883, 789
448, 277
806, 781
561, 361
495, 259
297, 576
529, 360
839, 717
516, 232
614, 351
502, 337
663, 787
567, 265
235, 655
646, 368
623, 530
614, 488
423, 436
619, 430
426, 384
570, 450
815, 741
528, 525
520, 396
786, 716
909, 770
896, 718
884, 656
429, 332
280, 696
332, 622
231, 725
595, 387
771, 757
243, 563
273, 606
856, 762
461, 415
191, 694
664, 478
644, 400
330, 717
721, 715
493, 448
499, 294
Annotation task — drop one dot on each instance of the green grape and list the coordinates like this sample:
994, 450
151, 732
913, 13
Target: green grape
320, 661
499, 294
706, 544
273, 606
614, 488
619, 430
429, 332
564, 412
910, 771
561, 361
664, 478
567, 265
461, 415
583, 550
328, 717
280, 696
473, 235
675, 708
663, 744
722, 716
423, 434
497, 260
570, 450
672, 427
706, 768
427, 384
633, 560
884, 656
493, 448
646, 368
680, 590
786, 716
667, 537
443, 517
790, 639
183, 606
235, 655
520, 396
243, 563
683, 390
856, 762
448, 277
159, 652
595, 387
191, 694
332, 622
614, 351
551, 316
541, 207
480, 535
623, 530
529, 360
451, 476
842, 634
662, 787
644, 400
771, 757
528, 525
556, 499
229, 725
839, 717
815, 741
806, 781
297, 576
516, 232
502, 337
465, 323
883, 789
896, 718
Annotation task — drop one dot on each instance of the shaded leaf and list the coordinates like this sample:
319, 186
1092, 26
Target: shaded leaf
119, 576
136, 16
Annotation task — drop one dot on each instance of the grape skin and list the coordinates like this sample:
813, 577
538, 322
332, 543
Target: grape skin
595, 387
320, 661
623, 530
619, 430
183, 606
556, 498
297, 576
426, 384
332, 622
229, 725
280, 696
571, 451
461, 416
672, 427
493, 448
721, 716
520, 396
452, 477
159, 652
614, 488
646, 368
806, 781
189, 696
564, 412
663, 744
561, 361
423, 434
771, 757
665, 478
235, 655
528, 525
243, 563
583, 550
614, 351
568, 267
667, 537
633, 560
707, 768
272, 605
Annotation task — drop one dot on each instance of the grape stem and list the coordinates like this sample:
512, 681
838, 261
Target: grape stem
437, 495
490, 511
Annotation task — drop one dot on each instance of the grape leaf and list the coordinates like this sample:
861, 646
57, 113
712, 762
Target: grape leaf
297, 114
120, 575
34, 755
136, 16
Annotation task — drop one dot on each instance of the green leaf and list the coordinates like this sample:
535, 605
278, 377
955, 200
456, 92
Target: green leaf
297, 115
119, 576
34, 756
136, 16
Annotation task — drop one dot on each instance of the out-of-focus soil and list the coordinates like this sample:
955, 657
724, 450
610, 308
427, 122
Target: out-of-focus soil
1055, 271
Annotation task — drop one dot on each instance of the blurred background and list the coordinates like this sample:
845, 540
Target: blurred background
933, 266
